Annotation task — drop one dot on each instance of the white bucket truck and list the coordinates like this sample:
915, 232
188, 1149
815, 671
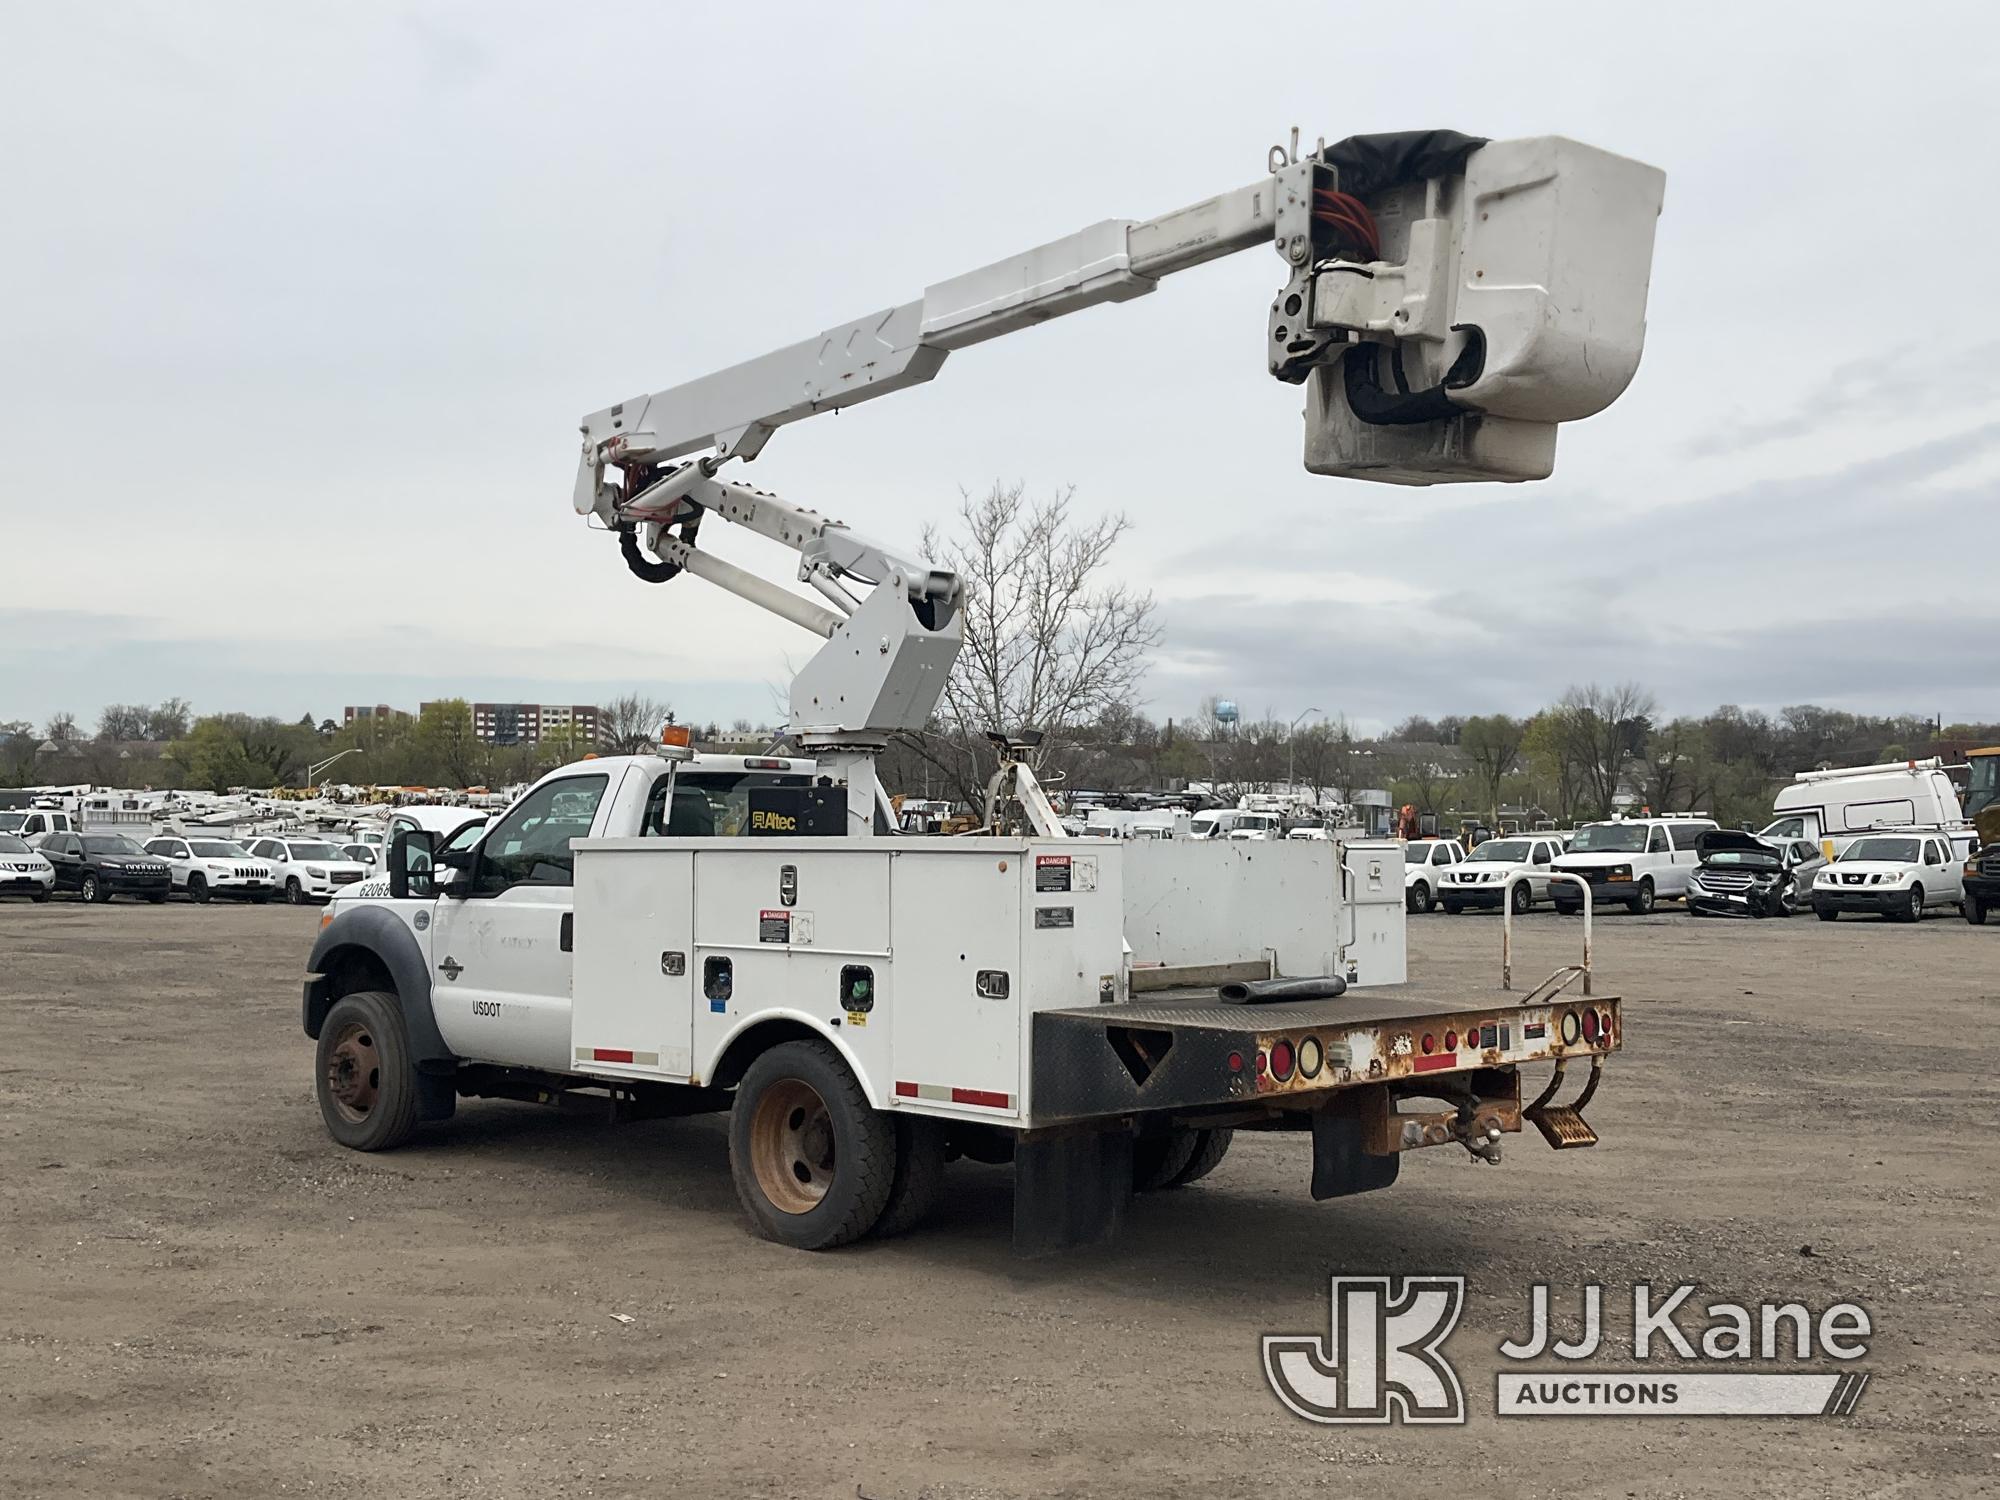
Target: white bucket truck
1102, 1012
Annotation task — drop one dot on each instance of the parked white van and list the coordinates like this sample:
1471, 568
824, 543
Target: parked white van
1221, 822
1638, 861
1834, 808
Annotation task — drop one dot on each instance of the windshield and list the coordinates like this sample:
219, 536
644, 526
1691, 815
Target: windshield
1896, 851
1610, 838
1501, 851
11, 845
110, 843
1204, 824
218, 849
313, 851
1983, 789
11, 821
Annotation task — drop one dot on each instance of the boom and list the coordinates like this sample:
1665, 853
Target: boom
1448, 302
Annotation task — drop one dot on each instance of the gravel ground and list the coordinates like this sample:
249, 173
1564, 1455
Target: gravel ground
203, 1296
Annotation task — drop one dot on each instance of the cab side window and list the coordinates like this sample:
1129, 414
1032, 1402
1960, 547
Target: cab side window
1657, 844
1543, 854
530, 846
1687, 835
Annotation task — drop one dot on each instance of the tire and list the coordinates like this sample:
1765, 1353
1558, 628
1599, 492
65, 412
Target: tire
1913, 910
1452, 908
363, 1075
1643, 899
1209, 1148
157, 899
813, 1163
1523, 898
1420, 897
91, 891
38, 896
261, 898
198, 889
1973, 908
919, 1176
1827, 913
295, 894
1158, 1160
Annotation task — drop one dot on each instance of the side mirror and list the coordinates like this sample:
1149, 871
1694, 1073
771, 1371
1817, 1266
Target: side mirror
410, 859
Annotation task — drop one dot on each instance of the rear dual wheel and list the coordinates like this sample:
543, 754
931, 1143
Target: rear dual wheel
814, 1163
1178, 1158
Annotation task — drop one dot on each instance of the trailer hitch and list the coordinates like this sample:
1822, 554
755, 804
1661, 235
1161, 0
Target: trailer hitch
1562, 1125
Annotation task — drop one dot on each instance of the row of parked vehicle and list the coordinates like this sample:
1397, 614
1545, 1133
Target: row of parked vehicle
1903, 874
100, 866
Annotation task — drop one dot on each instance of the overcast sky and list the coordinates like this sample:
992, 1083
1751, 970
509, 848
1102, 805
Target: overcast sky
302, 304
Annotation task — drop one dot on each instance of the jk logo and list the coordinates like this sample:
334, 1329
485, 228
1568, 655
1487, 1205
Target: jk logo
1382, 1361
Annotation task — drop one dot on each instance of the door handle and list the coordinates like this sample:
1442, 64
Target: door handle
567, 939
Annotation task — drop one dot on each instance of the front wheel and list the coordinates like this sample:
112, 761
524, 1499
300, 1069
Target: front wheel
366, 1081
197, 888
813, 1162
1452, 908
1974, 909
1420, 897
39, 895
1642, 899
294, 892
91, 891
1523, 898
1913, 908
1827, 913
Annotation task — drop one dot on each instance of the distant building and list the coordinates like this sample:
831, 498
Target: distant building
531, 723
355, 713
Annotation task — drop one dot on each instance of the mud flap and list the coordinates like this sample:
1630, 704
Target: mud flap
1342, 1164
1070, 1189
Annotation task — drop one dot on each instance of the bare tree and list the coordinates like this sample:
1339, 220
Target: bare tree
1051, 643
1601, 730
631, 724
123, 721
1492, 743
62, 729
169, 721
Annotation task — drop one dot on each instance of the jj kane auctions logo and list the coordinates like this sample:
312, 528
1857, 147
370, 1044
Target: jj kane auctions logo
1383, 1358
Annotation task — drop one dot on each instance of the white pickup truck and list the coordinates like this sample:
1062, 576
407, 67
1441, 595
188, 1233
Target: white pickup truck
678, 935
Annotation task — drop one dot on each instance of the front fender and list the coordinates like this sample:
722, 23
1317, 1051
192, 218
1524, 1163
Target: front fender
368, 931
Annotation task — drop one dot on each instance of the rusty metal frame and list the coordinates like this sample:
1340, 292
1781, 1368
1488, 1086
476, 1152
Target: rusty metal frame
1572, 971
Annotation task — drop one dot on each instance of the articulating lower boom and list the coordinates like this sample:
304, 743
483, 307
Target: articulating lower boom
1448, 302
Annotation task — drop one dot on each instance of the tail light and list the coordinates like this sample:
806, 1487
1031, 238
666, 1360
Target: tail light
1236, 1062
1590, 1026
1572, 1028
1430, 1044
1451, 1041
1282, 1060
1312, 1057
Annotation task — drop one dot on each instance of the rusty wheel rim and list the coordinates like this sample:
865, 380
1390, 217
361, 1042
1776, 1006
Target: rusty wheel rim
792, 1146
354, 1073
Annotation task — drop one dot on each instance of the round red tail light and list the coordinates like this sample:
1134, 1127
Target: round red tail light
1451, 1041
1236, 1062
1281, 1060
1590, 1026
1262, 1063
1604, 1025
1430, 1044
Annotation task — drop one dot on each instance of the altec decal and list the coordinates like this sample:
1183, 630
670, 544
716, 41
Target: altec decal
937, 1093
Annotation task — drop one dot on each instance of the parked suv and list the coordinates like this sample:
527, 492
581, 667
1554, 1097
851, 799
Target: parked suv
1636, 861
1481, 879
98, 866
23, 871
308, 869
1898, 875
1742, 875
1424, 864
206, 867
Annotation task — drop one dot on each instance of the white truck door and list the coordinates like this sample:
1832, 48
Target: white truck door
503, 933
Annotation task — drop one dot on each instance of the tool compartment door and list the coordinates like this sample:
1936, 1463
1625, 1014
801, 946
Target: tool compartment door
955, 913
633, 1007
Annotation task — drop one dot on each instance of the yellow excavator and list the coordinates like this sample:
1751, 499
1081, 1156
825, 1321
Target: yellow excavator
1982, 793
